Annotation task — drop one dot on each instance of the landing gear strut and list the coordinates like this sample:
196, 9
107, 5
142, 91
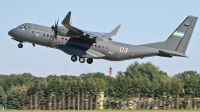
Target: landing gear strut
74, 58
20, 45
89, 60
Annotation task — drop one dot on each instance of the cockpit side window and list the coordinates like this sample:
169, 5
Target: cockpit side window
22, 27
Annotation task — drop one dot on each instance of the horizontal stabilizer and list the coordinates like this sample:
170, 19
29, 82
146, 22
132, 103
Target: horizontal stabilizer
172, 53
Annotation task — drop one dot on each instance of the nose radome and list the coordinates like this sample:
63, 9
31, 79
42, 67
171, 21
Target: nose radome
11, 32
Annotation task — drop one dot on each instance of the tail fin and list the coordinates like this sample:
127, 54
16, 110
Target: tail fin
179, 39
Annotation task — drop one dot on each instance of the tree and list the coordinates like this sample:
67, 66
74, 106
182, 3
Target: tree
2, 97
43, 94
190, 80
176, 88
16, 98
33, 91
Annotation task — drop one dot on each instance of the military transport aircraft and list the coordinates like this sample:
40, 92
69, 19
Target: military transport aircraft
96, 45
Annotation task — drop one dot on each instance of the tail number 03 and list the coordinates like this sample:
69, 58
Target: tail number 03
123, 49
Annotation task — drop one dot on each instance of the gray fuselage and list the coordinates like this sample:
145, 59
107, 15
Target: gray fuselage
97, 49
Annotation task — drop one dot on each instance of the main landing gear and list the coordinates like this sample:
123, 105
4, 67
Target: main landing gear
20, 45
89, 60
74, 58
81, 59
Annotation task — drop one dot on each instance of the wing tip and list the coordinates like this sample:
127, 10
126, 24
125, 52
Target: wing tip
67, 18
114, 32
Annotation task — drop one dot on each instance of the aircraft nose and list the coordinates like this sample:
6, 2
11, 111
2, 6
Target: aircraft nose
11, 32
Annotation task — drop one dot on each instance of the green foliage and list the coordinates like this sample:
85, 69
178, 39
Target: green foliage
139, 80
190, 81
2, 96
16, 98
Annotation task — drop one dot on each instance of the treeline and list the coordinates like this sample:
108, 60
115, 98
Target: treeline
25, 91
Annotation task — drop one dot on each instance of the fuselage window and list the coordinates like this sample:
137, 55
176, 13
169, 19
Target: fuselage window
47, 35
51, 36
44, 34
66, 39
99, 46
106, 48
32, 31
95, 45
102, 47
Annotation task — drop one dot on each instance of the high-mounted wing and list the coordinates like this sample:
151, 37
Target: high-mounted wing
114, 32
66, 23
75, 32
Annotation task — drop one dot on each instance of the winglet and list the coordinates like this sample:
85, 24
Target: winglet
114, 32
67, 18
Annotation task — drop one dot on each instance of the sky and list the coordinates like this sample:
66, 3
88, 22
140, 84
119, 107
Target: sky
142, 21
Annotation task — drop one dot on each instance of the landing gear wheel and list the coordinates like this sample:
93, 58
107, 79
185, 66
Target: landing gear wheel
81, 60
89, 60
20, 45
74, 58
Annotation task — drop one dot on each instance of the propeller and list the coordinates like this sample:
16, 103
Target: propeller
55, 30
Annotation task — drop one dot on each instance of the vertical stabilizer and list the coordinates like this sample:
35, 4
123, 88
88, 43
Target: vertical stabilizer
179, 39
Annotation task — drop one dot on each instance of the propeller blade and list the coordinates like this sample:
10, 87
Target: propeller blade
54, 28
57, 23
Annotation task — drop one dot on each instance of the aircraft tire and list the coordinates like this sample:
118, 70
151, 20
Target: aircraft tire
20, 45
89, 60
74, 58
81, 60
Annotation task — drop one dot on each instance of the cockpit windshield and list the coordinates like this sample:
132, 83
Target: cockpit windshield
22, 27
